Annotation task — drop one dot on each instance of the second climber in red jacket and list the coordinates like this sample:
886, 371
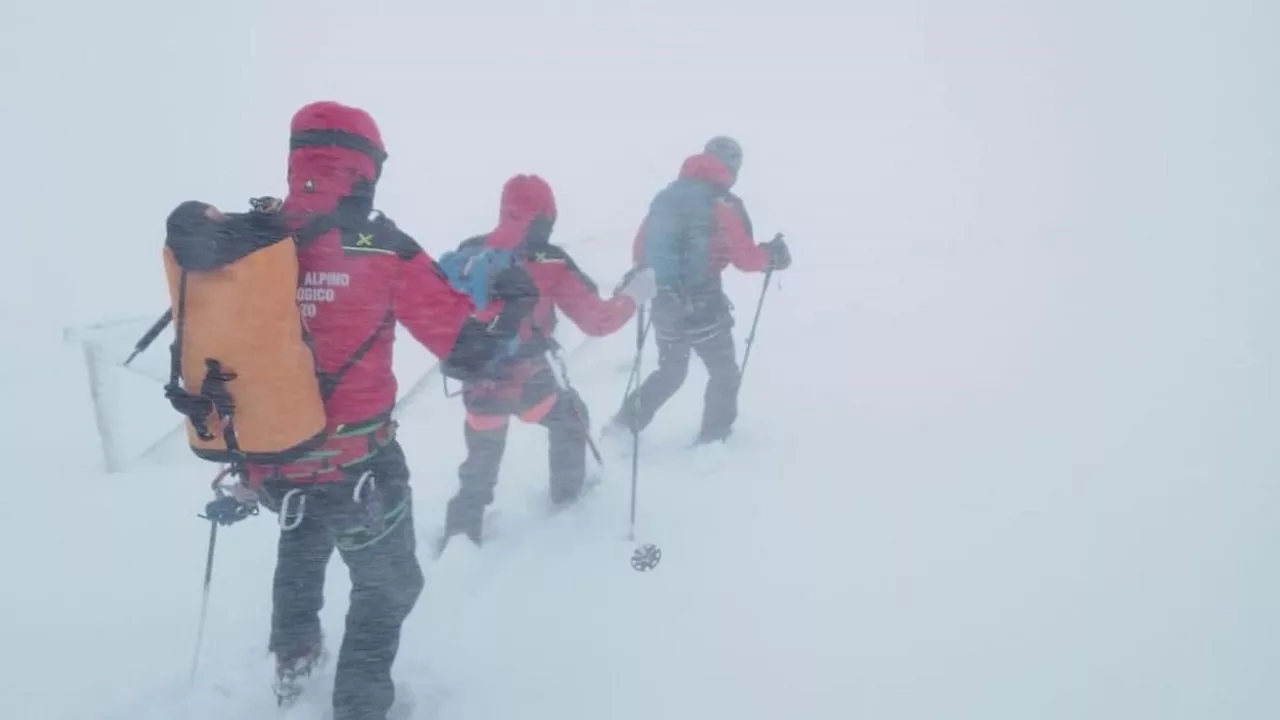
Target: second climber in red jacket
526, 386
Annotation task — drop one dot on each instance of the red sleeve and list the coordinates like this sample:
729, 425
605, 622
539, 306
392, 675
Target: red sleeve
579, 298
428, 306
741, 249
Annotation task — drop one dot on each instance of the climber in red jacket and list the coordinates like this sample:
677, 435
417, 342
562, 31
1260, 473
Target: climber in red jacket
358, 275
526, 385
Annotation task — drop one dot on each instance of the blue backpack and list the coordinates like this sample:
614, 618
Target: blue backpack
471, 269
677, 235
473, 266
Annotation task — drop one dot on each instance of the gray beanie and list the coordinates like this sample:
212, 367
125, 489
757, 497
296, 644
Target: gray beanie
726, 150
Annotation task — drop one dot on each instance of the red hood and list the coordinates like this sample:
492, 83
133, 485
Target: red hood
705, 166
332, 147
525, 198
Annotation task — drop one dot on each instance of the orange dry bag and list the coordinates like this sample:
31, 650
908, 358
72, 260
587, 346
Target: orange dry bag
241, 370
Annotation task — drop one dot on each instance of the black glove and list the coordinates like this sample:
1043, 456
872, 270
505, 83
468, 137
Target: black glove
779, 254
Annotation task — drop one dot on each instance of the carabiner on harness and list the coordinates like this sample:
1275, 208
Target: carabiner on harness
285, 523
366, 478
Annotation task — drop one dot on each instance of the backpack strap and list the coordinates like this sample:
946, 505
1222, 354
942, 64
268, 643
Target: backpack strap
329, 381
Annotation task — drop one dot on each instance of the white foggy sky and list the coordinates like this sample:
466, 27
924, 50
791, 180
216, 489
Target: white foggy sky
947, 127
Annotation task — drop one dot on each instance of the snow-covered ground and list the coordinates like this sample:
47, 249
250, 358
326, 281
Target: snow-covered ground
1008, 445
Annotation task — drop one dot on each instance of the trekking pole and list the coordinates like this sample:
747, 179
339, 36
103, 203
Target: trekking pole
204, 601
751, 338
635, 432
208, 577
150, 336
642, 330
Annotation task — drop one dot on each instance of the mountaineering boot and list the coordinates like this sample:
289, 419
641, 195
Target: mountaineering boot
562, 497
709, 436
619, 426
616, 431
292, 673
617, 437
464, 515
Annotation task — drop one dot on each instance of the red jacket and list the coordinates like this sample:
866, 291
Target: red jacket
357, 277
354, 284
527, 215
732, 243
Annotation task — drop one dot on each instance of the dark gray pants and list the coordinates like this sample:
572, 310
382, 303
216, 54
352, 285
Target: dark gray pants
714, 346
375, 538
566, 422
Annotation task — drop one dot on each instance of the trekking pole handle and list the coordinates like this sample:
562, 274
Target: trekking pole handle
150, 336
